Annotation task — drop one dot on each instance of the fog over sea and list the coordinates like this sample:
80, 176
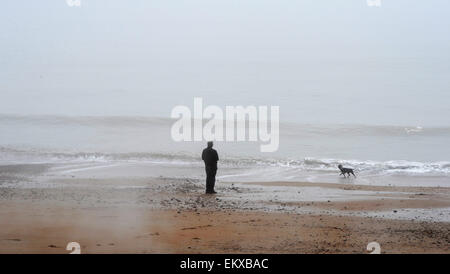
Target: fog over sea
362, 86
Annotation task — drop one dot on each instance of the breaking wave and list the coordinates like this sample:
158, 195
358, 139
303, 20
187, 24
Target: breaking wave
363, 167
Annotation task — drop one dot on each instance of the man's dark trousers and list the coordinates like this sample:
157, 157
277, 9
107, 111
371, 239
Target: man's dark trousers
210, 177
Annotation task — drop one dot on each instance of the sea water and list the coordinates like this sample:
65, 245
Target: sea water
386, 155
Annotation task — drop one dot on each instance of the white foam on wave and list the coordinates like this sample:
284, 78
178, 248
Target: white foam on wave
414, 130
326, 165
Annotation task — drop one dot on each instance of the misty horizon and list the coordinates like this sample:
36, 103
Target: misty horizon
362, 65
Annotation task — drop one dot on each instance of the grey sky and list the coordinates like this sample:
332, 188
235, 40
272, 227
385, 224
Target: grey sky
320, 60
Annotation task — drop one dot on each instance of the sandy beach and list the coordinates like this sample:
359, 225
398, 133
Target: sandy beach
44, 209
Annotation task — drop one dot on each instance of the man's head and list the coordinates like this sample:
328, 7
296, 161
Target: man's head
210, 144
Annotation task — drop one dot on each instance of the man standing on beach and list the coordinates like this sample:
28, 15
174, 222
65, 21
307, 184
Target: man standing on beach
210, 157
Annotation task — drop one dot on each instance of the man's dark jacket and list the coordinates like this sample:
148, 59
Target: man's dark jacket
210, 157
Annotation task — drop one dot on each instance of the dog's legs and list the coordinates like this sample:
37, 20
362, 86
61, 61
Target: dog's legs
353, 174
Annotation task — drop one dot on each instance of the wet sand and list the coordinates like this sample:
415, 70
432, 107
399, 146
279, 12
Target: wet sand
41, 228
43, 213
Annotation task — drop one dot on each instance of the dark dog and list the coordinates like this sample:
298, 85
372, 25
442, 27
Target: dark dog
346, 171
